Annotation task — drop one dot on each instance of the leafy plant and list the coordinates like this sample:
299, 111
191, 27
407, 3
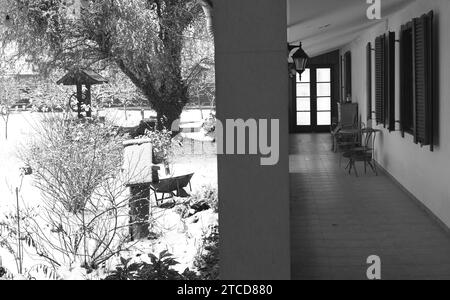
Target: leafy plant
207, 261
159, 268
161, 141
162, 144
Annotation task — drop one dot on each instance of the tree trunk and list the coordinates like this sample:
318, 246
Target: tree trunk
167, 115
168, 100
169, 105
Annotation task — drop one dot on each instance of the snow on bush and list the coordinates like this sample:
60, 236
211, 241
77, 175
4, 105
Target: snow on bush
82, 221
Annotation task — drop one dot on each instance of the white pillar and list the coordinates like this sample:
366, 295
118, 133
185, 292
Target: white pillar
252, 82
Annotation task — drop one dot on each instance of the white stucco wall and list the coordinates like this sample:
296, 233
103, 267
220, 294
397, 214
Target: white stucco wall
425, 174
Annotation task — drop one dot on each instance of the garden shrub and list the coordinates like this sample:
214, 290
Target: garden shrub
207, 261
83, 218
204, 199
207, 194
71, 158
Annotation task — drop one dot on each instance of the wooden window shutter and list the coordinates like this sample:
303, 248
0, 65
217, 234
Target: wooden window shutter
405, 62
348, 74
423, 60
369, 81
380, 46
390, 81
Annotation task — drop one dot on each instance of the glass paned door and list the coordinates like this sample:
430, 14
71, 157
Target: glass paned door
323, 97
304, 99
314, 100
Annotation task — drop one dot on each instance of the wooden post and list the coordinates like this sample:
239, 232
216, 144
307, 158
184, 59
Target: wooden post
80, 99
139, 211
88, 101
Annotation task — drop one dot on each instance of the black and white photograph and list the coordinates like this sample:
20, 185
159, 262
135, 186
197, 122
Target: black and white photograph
108, 156
239, 141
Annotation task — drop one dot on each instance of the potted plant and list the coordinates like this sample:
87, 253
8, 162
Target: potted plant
162, 146
209, 126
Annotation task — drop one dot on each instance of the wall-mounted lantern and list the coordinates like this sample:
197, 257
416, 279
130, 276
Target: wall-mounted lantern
298, 59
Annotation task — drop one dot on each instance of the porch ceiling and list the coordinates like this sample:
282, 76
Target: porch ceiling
325, 25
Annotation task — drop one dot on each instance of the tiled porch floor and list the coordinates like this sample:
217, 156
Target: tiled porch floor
338, 221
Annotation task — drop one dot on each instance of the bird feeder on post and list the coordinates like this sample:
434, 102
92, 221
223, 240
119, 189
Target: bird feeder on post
78, 78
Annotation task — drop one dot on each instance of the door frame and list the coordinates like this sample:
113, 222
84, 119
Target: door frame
293, 95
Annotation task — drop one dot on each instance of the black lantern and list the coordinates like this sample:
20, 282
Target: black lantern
298, 58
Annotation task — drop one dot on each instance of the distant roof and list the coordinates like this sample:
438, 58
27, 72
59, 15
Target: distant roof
82, 76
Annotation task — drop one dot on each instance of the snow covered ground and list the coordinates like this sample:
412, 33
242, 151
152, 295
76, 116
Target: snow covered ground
181, 237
